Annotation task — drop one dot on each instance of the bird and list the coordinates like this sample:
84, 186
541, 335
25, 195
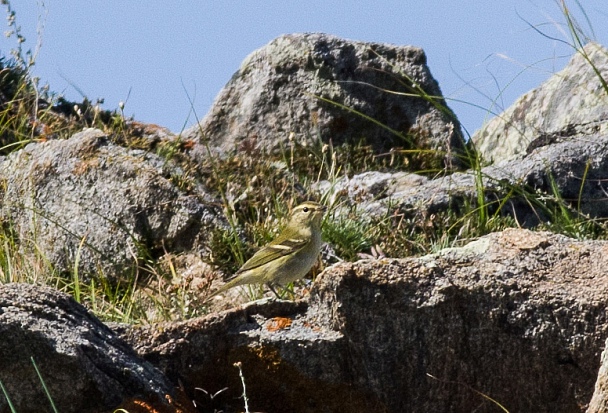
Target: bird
289, 256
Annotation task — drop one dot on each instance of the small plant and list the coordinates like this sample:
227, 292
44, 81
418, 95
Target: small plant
349, 235
239, 366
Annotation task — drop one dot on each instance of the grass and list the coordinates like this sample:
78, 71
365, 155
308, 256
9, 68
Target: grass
43, 385
256, 188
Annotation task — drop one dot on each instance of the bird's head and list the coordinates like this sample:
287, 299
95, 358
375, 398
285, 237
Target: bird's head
308, 214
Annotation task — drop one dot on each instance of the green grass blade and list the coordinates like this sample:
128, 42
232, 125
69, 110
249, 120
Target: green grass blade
8, 400
46, 390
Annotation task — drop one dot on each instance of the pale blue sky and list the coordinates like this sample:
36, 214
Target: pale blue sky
153, 54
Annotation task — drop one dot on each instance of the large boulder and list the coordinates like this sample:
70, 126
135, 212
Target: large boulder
286, 89
84, 365
109, 206
516, 318
573, 102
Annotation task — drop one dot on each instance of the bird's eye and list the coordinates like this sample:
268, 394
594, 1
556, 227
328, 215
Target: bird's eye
305, 209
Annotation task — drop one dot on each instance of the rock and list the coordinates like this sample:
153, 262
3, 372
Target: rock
107, 205
573, 170
369, 192
516, 316
572, 102
202, 352
85, 366
284, 88
599, 401
370, 186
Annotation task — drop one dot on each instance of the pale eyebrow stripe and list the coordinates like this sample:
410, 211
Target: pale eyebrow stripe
280, 247
287, 244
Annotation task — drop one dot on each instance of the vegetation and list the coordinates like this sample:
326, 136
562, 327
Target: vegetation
256, 189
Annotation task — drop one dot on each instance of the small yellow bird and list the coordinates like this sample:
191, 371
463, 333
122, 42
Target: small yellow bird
287, 258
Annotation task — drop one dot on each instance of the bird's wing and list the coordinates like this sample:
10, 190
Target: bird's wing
276, 249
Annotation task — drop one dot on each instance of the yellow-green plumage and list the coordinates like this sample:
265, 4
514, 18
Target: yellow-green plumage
288, 257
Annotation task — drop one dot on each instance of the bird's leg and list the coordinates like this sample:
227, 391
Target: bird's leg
279, 296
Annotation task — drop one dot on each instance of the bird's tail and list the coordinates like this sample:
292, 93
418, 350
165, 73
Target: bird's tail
234, 282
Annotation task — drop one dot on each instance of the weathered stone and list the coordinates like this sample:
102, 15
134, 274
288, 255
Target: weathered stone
108, 205
284, 88
574, 169
369, 192
572, 102
599, 401
202, 352
85, 366
370, 186
516, 316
